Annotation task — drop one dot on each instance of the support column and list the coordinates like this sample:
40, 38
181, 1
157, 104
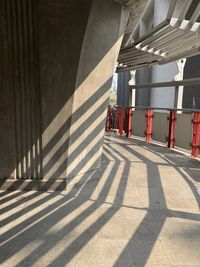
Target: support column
99, 52
56, 74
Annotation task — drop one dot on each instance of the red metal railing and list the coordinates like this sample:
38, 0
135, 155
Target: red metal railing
149, 124
171, 138
120, 119
129, 114
196, 134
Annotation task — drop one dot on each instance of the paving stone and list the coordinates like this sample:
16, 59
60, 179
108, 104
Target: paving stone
141, 209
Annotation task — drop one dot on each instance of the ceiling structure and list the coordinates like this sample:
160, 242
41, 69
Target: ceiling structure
172, 39
137, 8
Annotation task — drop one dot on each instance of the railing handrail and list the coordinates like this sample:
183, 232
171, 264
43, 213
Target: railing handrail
158, 108
193, 81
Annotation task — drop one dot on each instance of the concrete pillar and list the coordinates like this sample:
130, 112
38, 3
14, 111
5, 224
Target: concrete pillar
191, 96
56, 72
123, 88
143, 75
97, 62
162, 97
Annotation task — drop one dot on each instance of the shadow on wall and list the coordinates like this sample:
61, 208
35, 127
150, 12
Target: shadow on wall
94, 125
58, 97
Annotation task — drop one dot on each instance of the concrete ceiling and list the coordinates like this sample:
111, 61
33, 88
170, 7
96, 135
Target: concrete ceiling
137, 8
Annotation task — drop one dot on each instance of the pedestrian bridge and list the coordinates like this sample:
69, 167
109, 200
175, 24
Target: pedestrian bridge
141, 208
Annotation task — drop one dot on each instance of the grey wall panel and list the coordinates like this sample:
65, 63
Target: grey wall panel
139, 123
160, 126
183, 131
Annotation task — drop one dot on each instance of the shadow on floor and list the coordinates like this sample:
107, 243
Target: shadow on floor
122, 215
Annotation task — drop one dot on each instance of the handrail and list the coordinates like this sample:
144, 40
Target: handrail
193, 81
186, 110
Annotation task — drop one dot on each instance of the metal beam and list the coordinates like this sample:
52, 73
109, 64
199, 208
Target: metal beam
194, 81
186, 110
195, 15
184, 10
157, 28
171, 9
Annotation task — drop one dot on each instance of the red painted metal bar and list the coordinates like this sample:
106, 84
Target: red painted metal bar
121, 120
171, 139
149, 127
196, 134
108, 119
129, 114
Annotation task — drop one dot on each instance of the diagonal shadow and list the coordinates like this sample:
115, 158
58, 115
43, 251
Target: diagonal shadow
40, 224
177, 167
103, 195
42, 201
74, 204
58, 215
93, 229
135, 242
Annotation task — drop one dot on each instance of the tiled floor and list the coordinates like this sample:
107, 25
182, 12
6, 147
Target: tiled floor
141, 209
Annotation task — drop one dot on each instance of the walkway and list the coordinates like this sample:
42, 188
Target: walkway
141, 209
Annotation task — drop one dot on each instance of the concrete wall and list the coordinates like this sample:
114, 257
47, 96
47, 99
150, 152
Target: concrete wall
56, 71
7, 149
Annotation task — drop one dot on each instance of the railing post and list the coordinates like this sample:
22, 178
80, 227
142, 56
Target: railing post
129, 122
171, 139
149, 126
196, 134
108, 119
121, 120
